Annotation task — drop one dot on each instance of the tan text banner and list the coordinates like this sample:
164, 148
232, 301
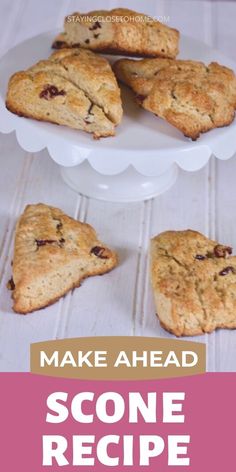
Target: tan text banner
118, 358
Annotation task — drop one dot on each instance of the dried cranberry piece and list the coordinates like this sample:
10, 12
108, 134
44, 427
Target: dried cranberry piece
227, 270
59, 44
43, 242
95, 26
200, 257
222, 251
59, 226
11, 284
90, 108
51, 91
140, 98
100, 252
87, 118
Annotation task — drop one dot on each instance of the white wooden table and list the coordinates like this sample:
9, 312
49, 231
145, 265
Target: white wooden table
119, 303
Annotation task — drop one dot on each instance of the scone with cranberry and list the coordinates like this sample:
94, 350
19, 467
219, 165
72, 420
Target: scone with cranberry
194, 283
74, 87
53, 254
189, 95
119, 31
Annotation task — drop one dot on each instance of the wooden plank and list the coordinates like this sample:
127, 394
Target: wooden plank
225, 351
10, 181
104, 305
43, 184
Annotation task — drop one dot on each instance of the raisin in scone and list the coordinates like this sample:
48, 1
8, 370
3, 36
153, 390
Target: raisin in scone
194, 283
191, 96
120, 31
53, 254
74, 87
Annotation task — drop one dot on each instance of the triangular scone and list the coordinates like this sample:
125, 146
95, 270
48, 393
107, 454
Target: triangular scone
119, 31
52, 254
189, 95
94, 75
73, 87
194, 283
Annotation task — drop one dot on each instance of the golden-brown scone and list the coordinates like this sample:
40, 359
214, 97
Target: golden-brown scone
194, 283
120, 31
53, 254
74, 87
191, 96
93, 74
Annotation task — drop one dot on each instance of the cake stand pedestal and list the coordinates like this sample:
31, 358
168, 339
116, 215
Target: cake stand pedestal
128, 186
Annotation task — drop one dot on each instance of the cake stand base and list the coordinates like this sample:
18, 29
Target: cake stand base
128, 186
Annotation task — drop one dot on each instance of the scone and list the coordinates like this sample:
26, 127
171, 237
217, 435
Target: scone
74, 87
53, 253
189, 95
119, 31
194, 283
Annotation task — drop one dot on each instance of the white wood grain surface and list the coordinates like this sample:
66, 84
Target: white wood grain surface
119, 303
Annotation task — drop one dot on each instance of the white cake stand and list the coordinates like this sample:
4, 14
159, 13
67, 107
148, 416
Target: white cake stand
143, 159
